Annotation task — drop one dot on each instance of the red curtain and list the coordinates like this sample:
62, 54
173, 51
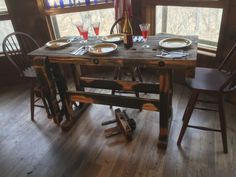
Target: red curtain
121, 6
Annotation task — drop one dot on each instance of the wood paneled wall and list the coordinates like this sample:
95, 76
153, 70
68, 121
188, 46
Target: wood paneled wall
8, 74
26, 18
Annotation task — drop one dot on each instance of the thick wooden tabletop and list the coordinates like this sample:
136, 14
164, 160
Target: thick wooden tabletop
134, 56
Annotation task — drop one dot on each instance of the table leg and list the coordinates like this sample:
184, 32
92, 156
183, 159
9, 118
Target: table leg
45, 79
165, 107
74, 114
50, 76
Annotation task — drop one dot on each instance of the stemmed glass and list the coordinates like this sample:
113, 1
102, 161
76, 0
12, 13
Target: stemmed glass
145, 29
79, 25
83, 31
96, 26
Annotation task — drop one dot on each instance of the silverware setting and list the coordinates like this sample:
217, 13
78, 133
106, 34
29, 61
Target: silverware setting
80, 51
172, 54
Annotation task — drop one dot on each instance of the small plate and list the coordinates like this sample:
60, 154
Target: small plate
102, 49
58, 44
113, 38
175, 43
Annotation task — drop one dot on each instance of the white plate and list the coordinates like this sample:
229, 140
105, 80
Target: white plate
102, 49
175, 43
58, 44
113, 38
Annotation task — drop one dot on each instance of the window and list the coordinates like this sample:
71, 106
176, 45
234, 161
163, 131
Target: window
5, 23
204, 22
3, 6
64, 23
62, 14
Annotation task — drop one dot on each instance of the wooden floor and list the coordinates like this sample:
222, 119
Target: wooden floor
41, 149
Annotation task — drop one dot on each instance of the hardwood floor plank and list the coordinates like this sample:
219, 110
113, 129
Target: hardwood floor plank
41, 149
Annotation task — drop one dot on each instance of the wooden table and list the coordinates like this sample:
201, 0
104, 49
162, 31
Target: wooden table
47, 62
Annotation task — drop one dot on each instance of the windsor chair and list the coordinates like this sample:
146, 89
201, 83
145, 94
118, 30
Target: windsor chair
16, 46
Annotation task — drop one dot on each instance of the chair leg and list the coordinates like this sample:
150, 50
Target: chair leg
116, 73
119, 75
32, 101
139, 74
46, 107
187, 107
132, 69
222, 123
187, 115
115, 77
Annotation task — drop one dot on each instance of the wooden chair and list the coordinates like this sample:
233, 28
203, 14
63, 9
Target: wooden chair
211, 81
16, 46
134, 71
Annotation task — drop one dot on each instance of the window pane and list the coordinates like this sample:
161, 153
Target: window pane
64, 23
204, 22
3, 6
5, 29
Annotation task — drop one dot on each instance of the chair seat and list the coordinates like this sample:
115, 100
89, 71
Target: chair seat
207, 79
29, 72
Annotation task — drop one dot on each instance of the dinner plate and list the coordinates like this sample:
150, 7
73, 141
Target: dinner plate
175, 43
102, 48
113, 38
58, 44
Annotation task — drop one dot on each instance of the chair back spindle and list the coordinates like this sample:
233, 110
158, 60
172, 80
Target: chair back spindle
228, 65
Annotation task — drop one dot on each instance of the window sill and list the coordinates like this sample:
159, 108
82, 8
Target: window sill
2, 54
207, 51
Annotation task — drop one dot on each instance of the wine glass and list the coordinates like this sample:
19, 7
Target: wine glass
96, 26
79, 25
84, 31
145, 29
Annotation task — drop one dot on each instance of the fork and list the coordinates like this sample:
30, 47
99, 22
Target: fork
74, 52
83, 51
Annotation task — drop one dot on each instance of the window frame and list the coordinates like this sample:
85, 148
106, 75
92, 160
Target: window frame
203, 43
4, 16
149, 14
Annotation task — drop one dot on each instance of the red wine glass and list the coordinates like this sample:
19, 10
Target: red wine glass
145, 29
79, 25
84, 31
96, 26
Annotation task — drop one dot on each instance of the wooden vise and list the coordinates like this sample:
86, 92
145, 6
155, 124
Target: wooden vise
125, 125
